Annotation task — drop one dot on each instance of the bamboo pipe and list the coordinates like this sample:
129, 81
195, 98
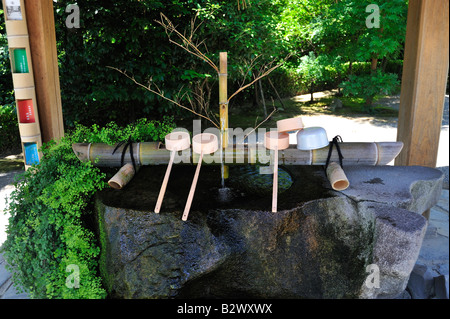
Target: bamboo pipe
122, 177
151, 153
223, 97
223, 105
337, 177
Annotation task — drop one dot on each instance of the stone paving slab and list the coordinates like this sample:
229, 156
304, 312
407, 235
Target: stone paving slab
7, 289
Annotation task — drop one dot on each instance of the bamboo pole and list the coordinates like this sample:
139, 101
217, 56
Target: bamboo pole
122, 177
223, 104
360, 153
337, 177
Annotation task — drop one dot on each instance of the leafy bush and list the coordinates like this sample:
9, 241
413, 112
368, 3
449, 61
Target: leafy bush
50, 233
9, 129
367, 86
6, 85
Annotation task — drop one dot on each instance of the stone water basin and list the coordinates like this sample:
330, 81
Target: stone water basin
359, 243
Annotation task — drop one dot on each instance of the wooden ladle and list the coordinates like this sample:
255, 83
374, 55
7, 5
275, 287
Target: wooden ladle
205, 143
175, 141
276, 141
290, 125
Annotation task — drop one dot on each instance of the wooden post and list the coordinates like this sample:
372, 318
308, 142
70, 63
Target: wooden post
41, 28
425, 70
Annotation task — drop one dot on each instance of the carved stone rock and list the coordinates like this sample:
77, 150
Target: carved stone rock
359, 243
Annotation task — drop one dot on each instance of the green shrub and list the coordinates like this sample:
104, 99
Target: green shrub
50, 235
9, 128
369, 85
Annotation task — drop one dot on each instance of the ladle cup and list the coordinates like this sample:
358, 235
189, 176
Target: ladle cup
290, 125
205, 143
275, 141
175, 141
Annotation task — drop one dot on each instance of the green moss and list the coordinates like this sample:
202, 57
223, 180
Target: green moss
102, 237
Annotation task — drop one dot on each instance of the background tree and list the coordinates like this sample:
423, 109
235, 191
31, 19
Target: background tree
311, 70
341, 31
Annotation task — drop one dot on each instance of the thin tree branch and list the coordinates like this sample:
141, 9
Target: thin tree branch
268, 117
160, 93
259, 76
187, 45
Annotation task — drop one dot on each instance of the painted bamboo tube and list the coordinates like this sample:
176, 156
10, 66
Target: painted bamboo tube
15, 17
21, 63
175, 141
31, 147
152, 153
122, 177
337, 177
29, 129
204, 143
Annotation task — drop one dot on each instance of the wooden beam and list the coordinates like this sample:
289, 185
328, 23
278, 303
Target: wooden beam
41, 29
425, 71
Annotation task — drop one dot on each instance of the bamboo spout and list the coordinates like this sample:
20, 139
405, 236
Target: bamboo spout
122, 177
337, 177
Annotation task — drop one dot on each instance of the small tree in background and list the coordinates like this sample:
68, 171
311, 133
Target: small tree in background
361, 31
311, 70
367, 86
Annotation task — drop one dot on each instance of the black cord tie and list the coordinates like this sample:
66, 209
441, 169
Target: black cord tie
336, 140
127, 143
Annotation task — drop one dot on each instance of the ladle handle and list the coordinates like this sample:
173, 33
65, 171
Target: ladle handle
192, 191
275, 182
164, 184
